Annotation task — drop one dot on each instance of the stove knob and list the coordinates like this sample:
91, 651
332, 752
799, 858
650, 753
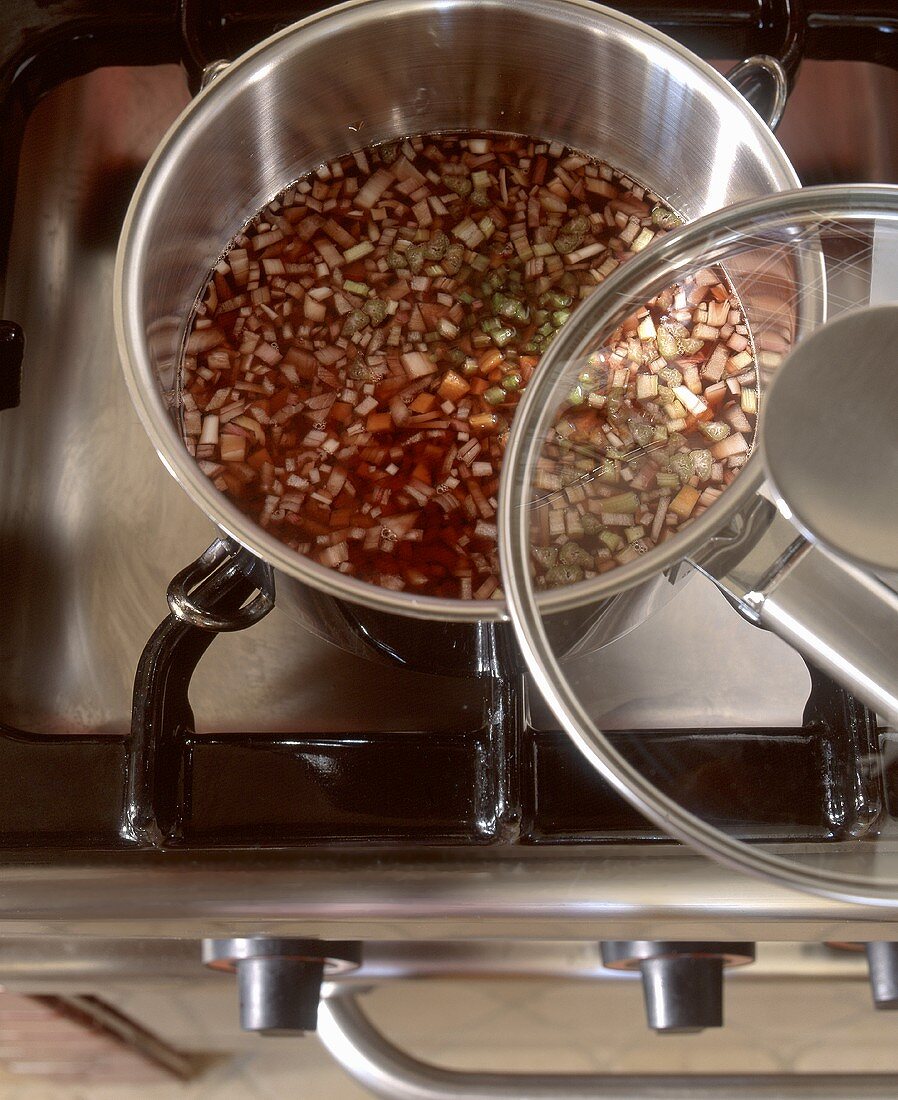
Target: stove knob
279, 996
882, 962
279, 980
682, 982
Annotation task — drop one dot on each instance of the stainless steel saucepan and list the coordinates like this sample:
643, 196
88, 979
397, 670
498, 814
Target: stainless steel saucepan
371, 71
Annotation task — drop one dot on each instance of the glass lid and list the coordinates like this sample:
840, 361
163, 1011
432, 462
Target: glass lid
635, 469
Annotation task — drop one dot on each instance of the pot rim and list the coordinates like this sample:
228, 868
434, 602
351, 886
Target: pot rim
138, 372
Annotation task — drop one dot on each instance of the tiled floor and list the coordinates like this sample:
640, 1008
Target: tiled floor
771, 1026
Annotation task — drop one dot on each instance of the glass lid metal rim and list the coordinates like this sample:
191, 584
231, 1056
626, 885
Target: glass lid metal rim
709, 237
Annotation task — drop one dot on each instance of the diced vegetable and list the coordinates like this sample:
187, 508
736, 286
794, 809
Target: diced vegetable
350, 377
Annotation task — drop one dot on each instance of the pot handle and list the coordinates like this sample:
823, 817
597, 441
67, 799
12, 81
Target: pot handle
187, 593
745, 79
843, 620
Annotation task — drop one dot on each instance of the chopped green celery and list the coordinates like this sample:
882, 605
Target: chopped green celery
620, 502
547, 556
376, 308
665, 218
701, 463
355, 322
670, 376
461, 185
644, 434
560, 575
435, 248
557, 299
453, 260
715, 430
572, 553
352, 287
681, 464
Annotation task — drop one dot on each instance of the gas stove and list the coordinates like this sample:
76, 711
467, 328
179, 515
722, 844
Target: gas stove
159, 780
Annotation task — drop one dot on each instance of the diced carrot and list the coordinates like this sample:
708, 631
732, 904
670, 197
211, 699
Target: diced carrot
685, 500
479, 386
453, 387
395, 291
490, 359
258, 458
422, 473
379, 422
277, 401
341, 411
423, 403
305, 362
314, 527
355, 270
345, 517
432, 312
235, 485
232, 448
527, 364
714, 395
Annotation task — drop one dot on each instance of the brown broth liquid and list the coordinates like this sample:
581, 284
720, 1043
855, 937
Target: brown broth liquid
352, 368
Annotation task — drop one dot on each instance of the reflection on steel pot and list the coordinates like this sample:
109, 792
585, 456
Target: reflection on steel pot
369, 72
